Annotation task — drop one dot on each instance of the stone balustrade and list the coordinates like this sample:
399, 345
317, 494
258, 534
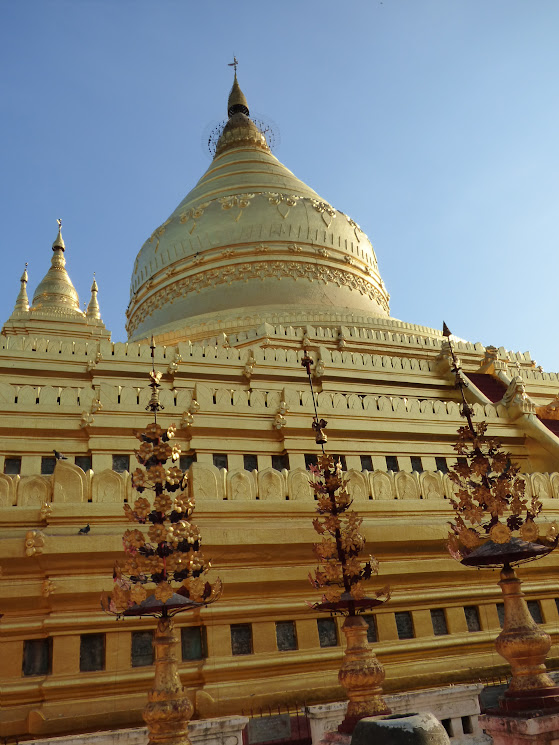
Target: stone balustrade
72, 485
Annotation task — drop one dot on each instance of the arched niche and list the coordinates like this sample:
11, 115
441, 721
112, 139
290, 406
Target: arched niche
108, 486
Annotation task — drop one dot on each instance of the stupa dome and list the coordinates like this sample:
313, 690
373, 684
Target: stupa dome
56, 293
247, 224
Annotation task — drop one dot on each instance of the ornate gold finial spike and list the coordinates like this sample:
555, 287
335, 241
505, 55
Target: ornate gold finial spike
56, 289
234, 64
59, 241
237, 103
22, 300
93, 309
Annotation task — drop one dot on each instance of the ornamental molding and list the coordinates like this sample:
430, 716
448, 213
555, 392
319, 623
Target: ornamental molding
255, 270
237, 203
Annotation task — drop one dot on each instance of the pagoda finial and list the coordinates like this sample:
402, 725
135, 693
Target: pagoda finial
59, 241
237, 103
22, 301
93, 310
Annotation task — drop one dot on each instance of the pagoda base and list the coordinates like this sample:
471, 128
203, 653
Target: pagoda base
530, 701
511, 730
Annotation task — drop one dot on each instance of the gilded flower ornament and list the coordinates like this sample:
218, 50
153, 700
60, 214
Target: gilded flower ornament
489, 502
162, 562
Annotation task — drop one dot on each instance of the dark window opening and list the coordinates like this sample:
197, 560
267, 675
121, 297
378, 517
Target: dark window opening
250, 462
186, 460
327, 632
441, 465
392, 463
83, 462
438, 619
472, 618
37, 657
121, 463
467, 726
92, 652
220, 460
286, 636
416, 464
371, 622
12, 466
142, 648
193, 643
404, 625
241, 638
535, 610
281, 462
48, 463
366, 463
501, 614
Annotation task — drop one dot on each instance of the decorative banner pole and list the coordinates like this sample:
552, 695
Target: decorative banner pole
341, 575
167, 554
489, 508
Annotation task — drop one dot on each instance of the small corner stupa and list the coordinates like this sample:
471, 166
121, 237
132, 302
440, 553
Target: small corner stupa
55, 310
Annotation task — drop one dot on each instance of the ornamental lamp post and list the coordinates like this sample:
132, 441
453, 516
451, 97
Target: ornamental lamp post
163, 573
495, 526
341, 575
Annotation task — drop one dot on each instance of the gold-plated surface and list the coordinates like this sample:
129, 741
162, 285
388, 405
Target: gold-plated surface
55, 310
168, 709
361, 675
236, 97
93, 310
22, 301
236, 229
56, 289
521, 642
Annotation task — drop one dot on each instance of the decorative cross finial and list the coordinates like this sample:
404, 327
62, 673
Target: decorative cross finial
59, 221
234, 64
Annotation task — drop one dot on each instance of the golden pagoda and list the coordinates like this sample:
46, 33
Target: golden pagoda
250, 269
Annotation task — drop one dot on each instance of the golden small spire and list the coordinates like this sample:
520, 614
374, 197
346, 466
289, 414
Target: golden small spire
237, 102
59, 240
56, 289
93, 310
22, 301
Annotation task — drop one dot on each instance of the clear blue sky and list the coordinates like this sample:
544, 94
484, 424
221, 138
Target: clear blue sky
433, 123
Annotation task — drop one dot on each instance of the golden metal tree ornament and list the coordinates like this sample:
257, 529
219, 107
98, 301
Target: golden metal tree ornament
341, 575
164, 570
495, 525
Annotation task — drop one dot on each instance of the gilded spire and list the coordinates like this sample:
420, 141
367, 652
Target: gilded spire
237, 103
93, 310
22, 301
59, 240
240, 130
56, 290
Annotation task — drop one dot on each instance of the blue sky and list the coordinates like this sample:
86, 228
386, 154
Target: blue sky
433, 123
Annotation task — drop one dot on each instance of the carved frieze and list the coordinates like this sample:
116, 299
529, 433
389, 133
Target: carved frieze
327, 212
194, 213
257, 270
242, 201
